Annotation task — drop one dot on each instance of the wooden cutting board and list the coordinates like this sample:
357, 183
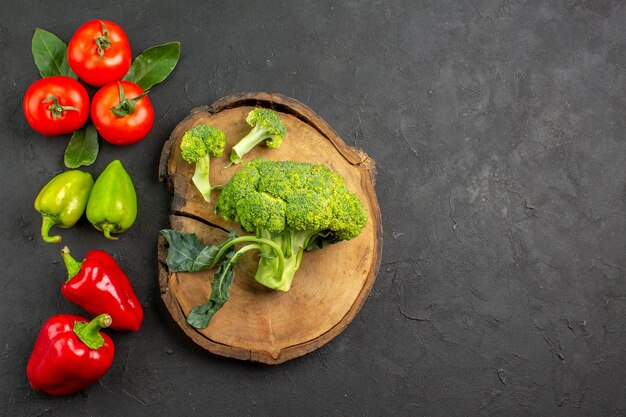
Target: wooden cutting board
331, 285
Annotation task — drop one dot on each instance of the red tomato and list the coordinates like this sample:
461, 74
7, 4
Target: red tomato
56, 105
99, 52
121, 114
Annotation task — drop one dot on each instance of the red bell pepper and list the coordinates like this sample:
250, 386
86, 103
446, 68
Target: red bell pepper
99, 285
70, 353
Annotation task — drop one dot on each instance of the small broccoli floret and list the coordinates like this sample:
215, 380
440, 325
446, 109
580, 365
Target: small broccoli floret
197, 146
266, 126
298, 206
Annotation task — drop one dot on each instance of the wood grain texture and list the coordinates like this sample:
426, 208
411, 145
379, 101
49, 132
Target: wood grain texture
331, 285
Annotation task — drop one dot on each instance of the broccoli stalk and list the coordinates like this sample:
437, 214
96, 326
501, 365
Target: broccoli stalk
266, 245
266, 126
297, 206
293, 243
198, 145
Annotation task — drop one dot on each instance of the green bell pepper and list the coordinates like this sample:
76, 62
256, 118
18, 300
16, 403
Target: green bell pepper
62, 201
112, 206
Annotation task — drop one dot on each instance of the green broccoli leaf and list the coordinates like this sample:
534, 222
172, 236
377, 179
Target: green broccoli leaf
200, 316
187, 254
321, 241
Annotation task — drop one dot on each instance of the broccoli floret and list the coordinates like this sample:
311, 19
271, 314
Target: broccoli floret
266, 126
297, 205
197, 146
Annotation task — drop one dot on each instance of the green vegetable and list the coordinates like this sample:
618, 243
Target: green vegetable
112, 206
298, 206
197, 146
62, 201
50, 54
291, 206
83, 147
200, 315
186, 253
266, 126
153, 65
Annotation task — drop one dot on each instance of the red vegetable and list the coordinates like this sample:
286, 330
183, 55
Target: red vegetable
56, 105
70, 354
99, 285
99, 52
122, 113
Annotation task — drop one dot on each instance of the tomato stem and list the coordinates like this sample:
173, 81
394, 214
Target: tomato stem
56, 108
126, 106
103, 41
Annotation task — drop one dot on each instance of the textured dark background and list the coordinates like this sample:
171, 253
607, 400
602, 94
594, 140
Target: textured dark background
498, 130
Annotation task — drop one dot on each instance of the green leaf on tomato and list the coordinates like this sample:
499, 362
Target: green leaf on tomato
50, 54
83, 147
153, 65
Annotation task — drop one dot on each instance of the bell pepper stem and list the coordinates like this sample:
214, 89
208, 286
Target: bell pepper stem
46, 223
89, 333
107, 228
72, 265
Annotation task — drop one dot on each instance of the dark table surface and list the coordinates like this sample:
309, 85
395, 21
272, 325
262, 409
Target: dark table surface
498, 132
